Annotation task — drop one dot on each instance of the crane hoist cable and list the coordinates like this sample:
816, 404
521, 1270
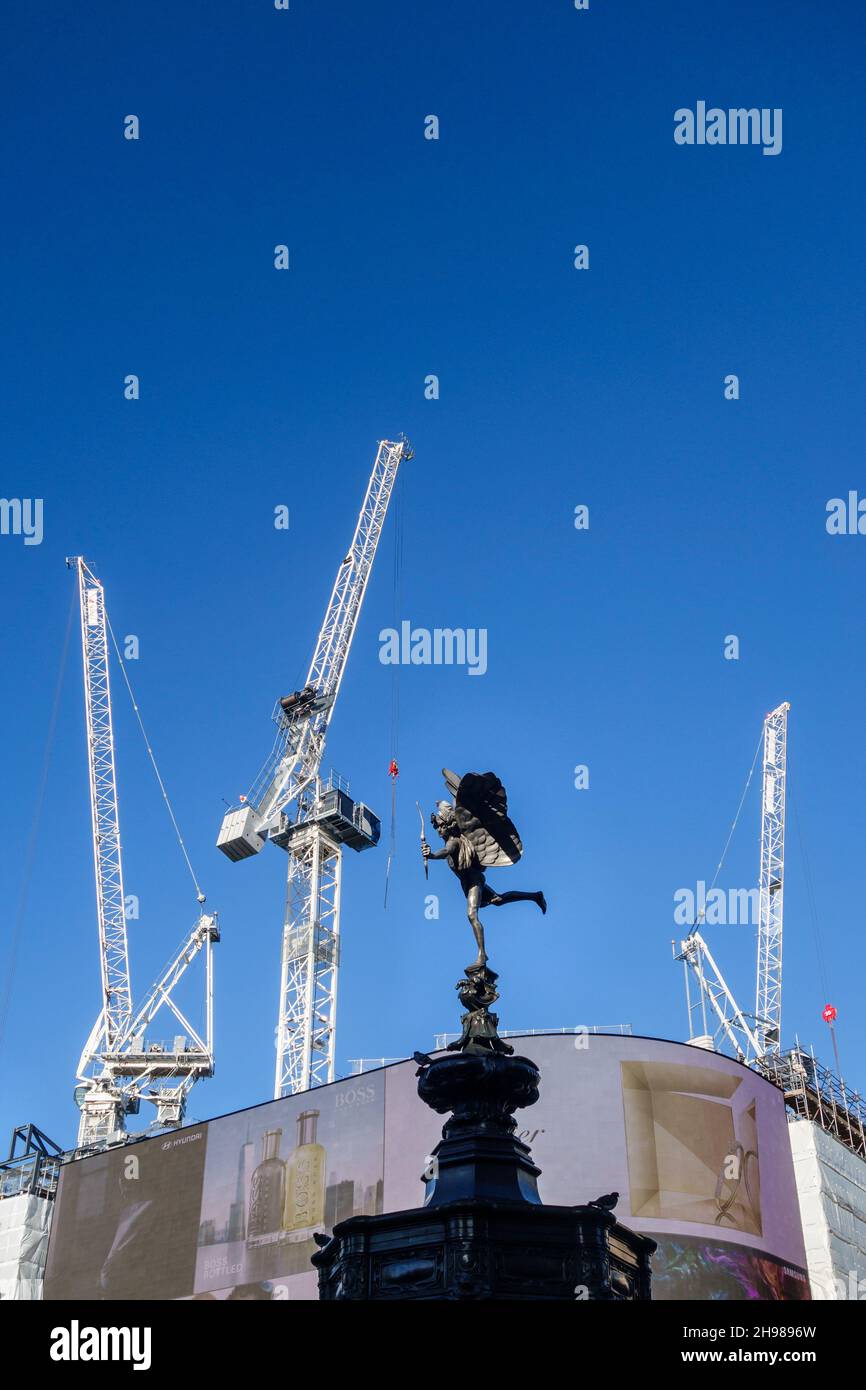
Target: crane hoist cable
733, 827
200, 897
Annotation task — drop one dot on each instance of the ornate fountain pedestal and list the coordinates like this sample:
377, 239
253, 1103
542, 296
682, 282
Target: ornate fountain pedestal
483, 1232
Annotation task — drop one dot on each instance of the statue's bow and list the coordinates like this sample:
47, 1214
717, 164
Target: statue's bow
423, 839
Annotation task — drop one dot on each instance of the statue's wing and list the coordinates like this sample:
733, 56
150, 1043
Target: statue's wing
481, 808
452, 782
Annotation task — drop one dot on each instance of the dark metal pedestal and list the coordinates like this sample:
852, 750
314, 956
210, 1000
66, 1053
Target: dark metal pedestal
483, 1232
486, 1250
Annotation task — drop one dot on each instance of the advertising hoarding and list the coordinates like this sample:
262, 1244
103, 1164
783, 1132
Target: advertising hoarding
696, 1145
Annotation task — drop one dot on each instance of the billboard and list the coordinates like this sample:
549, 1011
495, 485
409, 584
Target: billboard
226, 1209
696, 1145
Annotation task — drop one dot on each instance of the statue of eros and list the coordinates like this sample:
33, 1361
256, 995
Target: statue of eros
478, 835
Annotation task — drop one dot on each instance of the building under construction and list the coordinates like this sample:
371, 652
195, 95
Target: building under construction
826, 1117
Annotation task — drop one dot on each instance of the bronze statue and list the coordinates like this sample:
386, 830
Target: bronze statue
478, 1026
478, 835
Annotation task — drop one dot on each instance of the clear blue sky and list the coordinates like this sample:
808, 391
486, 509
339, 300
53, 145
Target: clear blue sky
558, 387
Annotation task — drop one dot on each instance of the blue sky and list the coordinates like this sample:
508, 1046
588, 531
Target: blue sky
557, 387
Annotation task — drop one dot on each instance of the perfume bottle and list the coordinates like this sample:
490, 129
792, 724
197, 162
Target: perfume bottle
305, 1181
267, 1189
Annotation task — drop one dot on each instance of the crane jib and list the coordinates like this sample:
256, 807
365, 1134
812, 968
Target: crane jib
303, 716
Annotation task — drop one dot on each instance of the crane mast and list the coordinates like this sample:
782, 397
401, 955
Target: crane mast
110, 902
768, 989
322, 818
119, 1065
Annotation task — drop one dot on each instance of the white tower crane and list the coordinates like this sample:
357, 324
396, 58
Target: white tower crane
322, 817
120, 1065
756, 1036
768, 989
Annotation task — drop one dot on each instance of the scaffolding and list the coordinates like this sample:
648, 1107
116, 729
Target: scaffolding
32, 1166
813, 1092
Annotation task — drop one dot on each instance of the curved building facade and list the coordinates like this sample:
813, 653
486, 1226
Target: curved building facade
695, 1143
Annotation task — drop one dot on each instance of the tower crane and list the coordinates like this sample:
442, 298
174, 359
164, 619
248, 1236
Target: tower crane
752, 1037
768, 987
312, 819
120, 1065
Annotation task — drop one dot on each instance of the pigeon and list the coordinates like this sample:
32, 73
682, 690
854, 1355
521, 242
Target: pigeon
607, 1202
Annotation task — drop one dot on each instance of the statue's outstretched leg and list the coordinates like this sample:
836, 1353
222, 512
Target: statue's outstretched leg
473, 901
500, 899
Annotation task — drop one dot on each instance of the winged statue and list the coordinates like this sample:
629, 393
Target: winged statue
478, 834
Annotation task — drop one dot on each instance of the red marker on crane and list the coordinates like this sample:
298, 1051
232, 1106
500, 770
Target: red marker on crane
393, 773
829, 1014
